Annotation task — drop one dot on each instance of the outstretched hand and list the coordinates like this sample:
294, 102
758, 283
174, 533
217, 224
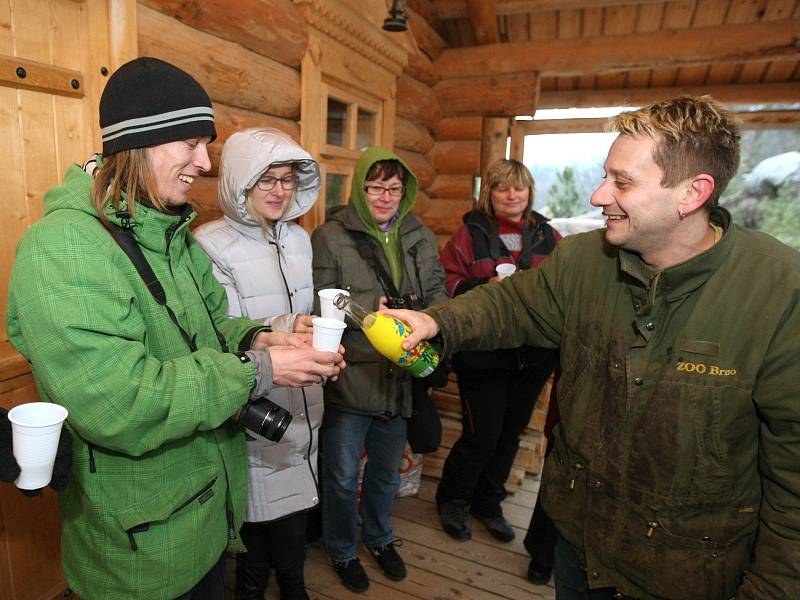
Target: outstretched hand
423, 326
301, 366
269, 339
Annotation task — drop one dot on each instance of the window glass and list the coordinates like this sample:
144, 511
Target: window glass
366, 129
337, 123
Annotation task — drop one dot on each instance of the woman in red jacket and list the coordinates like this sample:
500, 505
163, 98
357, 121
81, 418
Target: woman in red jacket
498, 389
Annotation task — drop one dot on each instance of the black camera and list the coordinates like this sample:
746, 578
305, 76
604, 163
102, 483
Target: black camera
265, 418
407, 301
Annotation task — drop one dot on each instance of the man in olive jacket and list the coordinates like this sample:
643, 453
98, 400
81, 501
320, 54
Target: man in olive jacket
676, 467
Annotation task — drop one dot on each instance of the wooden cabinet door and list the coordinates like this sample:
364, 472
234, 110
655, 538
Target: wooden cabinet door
54, 61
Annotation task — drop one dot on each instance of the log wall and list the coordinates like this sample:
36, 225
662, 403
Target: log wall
248, 62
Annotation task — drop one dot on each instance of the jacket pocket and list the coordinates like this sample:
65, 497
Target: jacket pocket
671, 556
198, 486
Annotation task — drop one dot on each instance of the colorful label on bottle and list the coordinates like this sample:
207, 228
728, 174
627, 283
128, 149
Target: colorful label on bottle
387, 334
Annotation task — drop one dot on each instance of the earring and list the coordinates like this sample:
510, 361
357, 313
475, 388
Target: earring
681, 214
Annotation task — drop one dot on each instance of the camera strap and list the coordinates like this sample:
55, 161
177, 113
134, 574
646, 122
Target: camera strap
367, 251
127, 242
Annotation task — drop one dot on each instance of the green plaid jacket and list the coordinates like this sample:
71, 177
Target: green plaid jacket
159, 477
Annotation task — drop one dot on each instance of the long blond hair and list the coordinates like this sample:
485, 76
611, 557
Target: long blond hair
127, 172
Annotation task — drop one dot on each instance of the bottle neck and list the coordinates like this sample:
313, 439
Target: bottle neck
354, 310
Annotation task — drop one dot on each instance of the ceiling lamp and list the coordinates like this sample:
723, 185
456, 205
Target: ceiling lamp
397, 19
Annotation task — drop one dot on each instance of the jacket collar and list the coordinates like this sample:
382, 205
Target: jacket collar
684, 278
254, 232
155, 230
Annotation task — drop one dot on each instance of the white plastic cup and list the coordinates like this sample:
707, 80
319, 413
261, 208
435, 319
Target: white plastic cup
35, 428
327, 334
326, 307
505, 269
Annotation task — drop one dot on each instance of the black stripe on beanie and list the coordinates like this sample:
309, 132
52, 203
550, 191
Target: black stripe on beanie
148, 101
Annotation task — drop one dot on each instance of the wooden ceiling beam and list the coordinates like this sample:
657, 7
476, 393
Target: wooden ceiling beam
753, 42
457, 9
768, 119
762, 93
483, 17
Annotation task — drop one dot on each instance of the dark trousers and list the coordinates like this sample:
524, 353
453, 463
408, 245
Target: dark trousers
275, 544
211, 586
570, 576
540, 540
497, 405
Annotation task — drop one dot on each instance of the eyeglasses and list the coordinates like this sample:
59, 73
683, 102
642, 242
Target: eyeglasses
288, 183
377, 190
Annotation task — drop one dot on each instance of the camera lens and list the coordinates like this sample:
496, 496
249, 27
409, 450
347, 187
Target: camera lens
266, 418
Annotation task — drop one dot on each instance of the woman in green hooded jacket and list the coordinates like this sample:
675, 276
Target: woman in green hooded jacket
366, 406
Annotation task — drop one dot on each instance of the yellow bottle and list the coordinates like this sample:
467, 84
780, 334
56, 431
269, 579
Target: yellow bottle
387, 334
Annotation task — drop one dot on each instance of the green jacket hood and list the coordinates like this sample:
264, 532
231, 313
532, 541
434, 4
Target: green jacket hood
358, 197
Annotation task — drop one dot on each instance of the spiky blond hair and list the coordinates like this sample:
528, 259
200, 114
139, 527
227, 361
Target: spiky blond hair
692, 135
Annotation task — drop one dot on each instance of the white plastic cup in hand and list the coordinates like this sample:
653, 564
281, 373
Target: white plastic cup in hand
35, 428
326, 307
505, 269
327, 334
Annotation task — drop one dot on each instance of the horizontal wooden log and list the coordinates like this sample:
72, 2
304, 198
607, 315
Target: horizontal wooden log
421, 205
420, 166
494, 95
229, 73
758, 93
768, 119
445, 216
229, 119
427, 38
417, 102
751, 42
421, 67
457, 9
411, 136
271, 28
203, 198
456, 157
458, 128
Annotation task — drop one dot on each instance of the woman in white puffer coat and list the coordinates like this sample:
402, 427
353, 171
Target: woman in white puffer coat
263, 259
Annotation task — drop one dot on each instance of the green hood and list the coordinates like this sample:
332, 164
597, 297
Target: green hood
358, 200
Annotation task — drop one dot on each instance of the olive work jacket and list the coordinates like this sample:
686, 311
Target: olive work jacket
676, 465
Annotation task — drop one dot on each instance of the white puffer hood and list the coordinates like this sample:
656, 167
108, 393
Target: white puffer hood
245, 157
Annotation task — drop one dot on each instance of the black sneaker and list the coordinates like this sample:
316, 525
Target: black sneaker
352, 574
498, 527
455, 519
389, 560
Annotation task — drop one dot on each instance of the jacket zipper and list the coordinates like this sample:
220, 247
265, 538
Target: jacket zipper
92, 464
578, 468
145, 526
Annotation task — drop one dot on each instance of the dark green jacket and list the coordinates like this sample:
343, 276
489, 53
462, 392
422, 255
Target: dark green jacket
678, 451
156, 469
371, 384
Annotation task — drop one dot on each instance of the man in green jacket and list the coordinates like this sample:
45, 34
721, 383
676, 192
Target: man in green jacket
158, 482
675, 471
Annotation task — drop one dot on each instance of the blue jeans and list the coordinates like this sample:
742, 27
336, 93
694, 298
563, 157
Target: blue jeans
344, 436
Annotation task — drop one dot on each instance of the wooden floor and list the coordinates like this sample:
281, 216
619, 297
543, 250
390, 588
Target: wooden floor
440, 568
